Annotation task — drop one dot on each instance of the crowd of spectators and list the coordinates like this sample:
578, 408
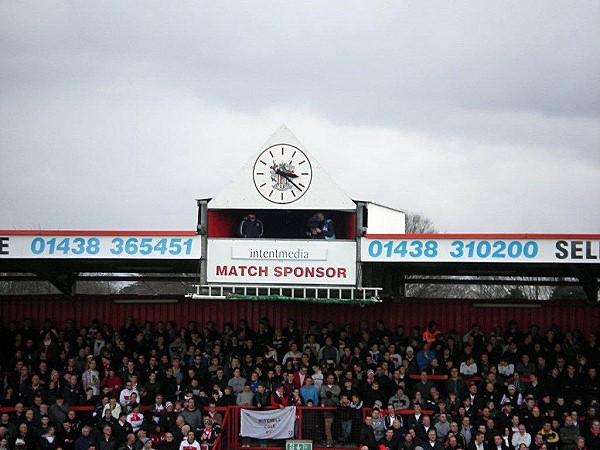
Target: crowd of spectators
157, 386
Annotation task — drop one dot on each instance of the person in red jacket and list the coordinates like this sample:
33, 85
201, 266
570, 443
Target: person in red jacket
112, 382
278, 397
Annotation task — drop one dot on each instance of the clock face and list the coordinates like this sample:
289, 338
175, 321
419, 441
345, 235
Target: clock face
282, 173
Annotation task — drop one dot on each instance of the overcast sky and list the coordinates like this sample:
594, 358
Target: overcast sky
485, 116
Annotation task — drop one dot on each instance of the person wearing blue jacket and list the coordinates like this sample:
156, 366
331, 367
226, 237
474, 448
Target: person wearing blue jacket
320, 228
251, 227
309, 392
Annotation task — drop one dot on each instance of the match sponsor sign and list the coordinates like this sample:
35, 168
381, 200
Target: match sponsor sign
272, 424
258, 261
580, 249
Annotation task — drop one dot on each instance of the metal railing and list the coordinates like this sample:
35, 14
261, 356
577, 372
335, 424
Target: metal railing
311, 425
342, 293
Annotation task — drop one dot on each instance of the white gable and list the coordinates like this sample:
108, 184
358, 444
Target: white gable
323, 193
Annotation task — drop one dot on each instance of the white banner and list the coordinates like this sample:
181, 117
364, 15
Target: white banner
482, 248
272, 424
101, 246
263, 261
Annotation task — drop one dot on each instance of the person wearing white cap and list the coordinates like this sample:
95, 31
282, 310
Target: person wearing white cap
147, 443
368, 379
512, 396
410, 356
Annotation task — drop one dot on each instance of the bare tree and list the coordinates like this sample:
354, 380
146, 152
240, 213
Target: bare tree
29, 287
156, 288
37, 286
418, 223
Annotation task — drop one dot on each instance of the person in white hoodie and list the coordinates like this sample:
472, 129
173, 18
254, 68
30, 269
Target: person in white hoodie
521, 437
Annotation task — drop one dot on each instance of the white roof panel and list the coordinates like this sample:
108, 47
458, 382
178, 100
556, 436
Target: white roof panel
243, 193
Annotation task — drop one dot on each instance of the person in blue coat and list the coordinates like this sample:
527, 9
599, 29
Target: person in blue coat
425, 356
251, 227
309, 392
320, 228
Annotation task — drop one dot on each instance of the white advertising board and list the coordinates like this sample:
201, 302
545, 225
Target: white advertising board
262, 261
382, 220
85, 245
482, 248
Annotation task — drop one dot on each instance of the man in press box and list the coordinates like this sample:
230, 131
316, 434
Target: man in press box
319, 227
251, 227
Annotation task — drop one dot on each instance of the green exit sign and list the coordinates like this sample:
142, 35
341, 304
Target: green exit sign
296, 444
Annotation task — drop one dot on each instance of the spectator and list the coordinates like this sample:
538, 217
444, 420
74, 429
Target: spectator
389, 440
423, 429
251, 227
135, 417
246, 397
549, 436
521, 437
320, 228
478, 441
169, 443
57, 412
309, 391
125, 396
278, 397
442, 426
237, 382
106, 441
86, 439
367, 434
498, 443
505, 368
192, 415
130, 443
592, 435
369, 371
91, 377
424, 357
400, 400
468, 368
432, 442
568, 434
208, 434
378, 424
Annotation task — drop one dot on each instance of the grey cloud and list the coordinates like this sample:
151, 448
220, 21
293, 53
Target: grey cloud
109, 99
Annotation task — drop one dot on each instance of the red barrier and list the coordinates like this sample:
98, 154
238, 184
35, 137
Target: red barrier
459, 314
476, 378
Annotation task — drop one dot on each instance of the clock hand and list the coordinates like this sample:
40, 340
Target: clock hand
286, 174
287, 177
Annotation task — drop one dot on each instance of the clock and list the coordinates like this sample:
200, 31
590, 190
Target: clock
282, 173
